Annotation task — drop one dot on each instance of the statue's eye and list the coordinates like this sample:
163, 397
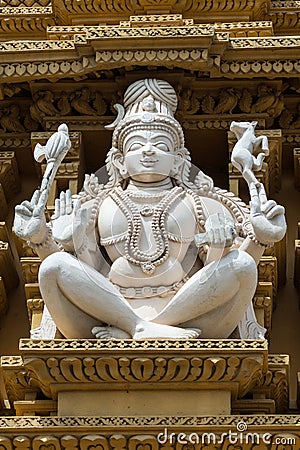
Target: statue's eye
162, 146
135, 146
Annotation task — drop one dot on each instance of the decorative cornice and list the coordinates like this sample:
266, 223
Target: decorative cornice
25, 3
203, 364
36, 46
150, 32
263, 422
249, 10
275, 42
259, 67
246, 29
25, 24
201, 47
283, 5
167, 345
26, 12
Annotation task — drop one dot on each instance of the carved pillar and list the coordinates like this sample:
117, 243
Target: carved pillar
297, 167
9, 180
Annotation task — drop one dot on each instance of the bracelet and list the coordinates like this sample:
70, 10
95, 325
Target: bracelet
43, 244
253, 239
83, 247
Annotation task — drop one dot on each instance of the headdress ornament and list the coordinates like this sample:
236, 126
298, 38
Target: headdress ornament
149, 104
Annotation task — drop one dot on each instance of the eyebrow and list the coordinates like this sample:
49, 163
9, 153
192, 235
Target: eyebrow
155, 138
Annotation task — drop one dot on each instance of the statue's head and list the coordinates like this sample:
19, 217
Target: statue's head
148, 142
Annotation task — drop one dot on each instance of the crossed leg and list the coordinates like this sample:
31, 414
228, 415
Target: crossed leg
213, 300
78, 298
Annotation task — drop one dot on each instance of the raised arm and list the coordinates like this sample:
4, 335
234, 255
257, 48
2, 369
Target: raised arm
30, 225
268, 222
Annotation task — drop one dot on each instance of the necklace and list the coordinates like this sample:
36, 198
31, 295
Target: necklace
148, 261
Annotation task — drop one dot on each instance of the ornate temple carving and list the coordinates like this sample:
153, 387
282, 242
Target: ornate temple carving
69, 61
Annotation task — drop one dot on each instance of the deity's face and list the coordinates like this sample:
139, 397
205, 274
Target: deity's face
149, 155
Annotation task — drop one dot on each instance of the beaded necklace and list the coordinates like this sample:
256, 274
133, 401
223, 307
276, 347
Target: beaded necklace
148, 261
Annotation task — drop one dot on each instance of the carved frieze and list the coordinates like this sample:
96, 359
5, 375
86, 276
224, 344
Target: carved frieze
90, 106
245, 29
25, 22
285, 16
250, 10
136, 433
25, 3
201, 45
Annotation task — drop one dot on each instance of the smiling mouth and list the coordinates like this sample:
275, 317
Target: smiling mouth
148, 162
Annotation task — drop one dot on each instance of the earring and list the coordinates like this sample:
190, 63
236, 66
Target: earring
123, 171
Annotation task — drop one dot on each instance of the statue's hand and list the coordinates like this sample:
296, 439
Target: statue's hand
266, 216
69, 222
30, 221
220, 231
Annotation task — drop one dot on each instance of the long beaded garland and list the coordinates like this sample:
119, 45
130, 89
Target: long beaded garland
147, 261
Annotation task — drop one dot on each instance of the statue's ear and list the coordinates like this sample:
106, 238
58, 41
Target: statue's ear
254, 123
178, 161
115, 161
119, 164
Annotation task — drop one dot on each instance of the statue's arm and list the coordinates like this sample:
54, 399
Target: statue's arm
268, 222
75, 228
30, 225
220, 231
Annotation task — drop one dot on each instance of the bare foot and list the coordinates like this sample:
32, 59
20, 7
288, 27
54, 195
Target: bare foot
110, 333
150, 330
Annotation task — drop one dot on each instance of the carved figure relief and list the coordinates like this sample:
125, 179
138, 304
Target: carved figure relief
232, 100
146, 217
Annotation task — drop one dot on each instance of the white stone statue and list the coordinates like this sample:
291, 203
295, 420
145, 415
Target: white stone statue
144, 220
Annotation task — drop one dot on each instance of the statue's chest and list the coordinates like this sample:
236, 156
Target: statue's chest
147, 220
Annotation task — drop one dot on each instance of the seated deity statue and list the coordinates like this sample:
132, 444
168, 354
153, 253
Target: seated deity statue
120, 260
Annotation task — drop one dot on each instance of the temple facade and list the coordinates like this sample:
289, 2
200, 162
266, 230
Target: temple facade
70, 62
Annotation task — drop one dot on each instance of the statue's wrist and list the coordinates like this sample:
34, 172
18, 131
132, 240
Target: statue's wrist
44, 242
257, 242
80, 250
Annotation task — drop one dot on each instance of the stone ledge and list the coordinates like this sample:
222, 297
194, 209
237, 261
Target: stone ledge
57, 367
136, 433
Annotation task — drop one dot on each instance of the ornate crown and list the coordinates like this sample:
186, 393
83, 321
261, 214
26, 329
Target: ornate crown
148, 104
